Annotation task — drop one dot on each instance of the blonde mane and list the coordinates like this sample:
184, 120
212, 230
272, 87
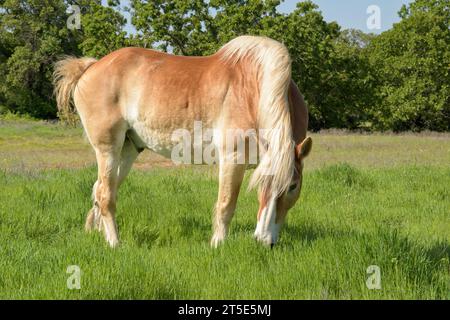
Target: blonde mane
272, 58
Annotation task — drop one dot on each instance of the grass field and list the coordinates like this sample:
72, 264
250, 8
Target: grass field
367, 200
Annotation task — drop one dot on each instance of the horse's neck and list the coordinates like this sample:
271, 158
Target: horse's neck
299, 113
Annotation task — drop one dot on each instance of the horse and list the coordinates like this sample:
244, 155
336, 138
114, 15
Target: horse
135, 98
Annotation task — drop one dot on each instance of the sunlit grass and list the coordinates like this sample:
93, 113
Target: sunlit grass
367, 200
347, 220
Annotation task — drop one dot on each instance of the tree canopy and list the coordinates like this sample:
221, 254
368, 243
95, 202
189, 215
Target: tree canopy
398, 80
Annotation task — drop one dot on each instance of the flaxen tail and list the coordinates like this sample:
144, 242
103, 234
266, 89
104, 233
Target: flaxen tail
65, 78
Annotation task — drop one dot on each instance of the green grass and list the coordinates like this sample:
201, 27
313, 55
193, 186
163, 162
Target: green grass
367, 200
347, 220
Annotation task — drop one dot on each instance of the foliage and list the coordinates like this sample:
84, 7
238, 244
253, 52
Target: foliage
201, 27
102, 28
34, 34
413, 69
399, 80
327, 68
198, 27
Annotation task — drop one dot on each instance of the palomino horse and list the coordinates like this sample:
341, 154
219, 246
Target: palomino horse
136, 98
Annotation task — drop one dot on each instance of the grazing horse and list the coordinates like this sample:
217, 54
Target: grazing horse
135, 98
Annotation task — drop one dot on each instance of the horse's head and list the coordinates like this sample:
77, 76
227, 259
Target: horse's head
273, 208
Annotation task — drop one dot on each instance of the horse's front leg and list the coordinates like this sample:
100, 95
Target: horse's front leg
230, 180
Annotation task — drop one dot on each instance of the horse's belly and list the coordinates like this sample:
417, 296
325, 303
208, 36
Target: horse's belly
182, 146
159, 141
196, 143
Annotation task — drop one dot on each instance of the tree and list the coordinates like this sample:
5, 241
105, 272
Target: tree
412, 69
328, 65
398, 80
353, 83
102, 28
32, 34
245, 17
198, 27
201, 27
173, 25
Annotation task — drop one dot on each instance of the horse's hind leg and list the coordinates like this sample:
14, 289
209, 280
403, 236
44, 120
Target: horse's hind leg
106, 192
129, 153
230, 180
127, 157
93, 217
107, 139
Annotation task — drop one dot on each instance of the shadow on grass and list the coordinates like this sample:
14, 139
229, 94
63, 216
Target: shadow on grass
308, 233
192, 226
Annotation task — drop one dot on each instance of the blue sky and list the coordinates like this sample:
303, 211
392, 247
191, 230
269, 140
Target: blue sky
348, 13
352, 13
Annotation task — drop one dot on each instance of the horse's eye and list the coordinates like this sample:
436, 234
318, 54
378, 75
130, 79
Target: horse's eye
292, 187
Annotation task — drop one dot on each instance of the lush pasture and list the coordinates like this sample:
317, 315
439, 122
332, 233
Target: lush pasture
377, 200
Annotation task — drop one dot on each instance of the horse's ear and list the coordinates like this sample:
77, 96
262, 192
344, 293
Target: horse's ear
303, 149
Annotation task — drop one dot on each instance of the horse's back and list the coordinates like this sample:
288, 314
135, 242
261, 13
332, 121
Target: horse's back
155, 94
157, 81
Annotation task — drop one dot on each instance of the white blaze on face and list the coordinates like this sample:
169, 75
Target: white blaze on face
267, 230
